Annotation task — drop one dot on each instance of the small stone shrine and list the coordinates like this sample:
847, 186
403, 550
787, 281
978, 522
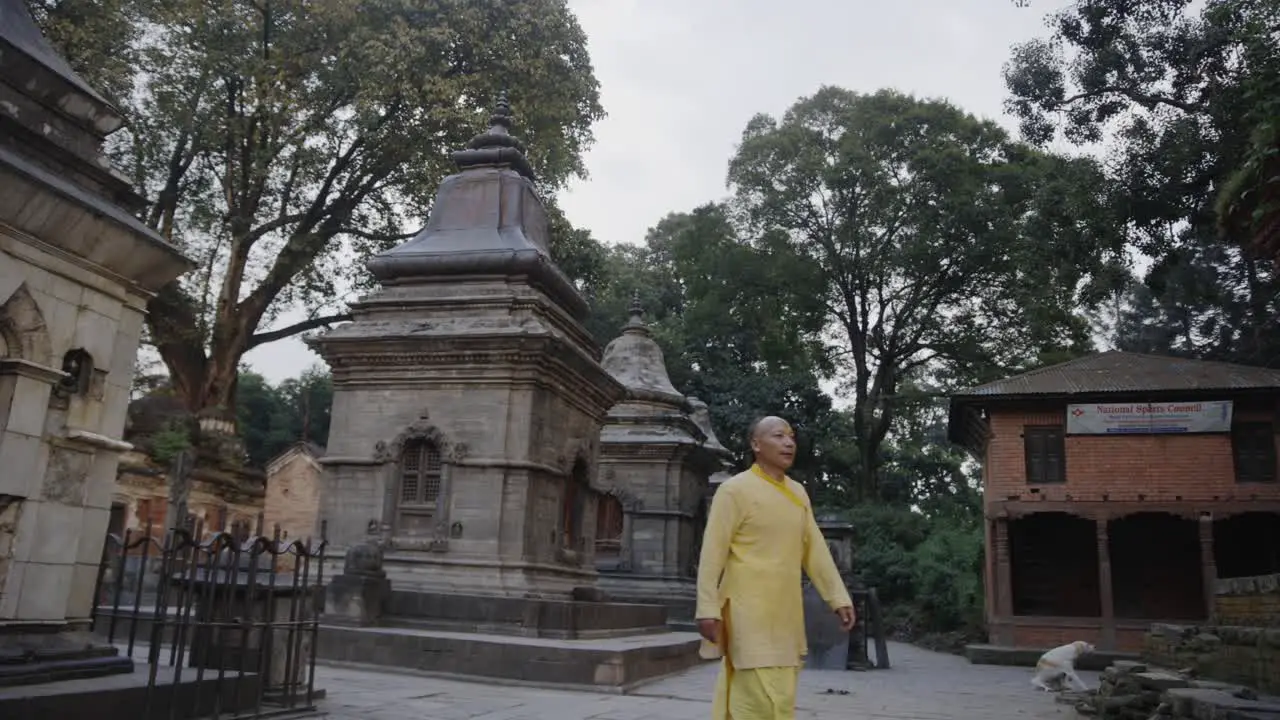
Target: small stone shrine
655, 459
76, 271
467, 396
468, 401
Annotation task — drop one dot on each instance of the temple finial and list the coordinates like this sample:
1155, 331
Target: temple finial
636, 322
496, 146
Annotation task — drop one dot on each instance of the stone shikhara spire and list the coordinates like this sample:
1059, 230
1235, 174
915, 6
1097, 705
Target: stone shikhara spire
496, 146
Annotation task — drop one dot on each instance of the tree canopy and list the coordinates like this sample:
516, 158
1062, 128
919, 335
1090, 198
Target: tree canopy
278, 140
1178, 93
940, 251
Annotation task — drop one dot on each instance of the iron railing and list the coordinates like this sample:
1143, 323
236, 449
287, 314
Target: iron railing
226, 625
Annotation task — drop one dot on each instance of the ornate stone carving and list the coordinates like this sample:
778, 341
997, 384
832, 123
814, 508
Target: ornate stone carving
24, 329
420, 429
630, 501
577, 450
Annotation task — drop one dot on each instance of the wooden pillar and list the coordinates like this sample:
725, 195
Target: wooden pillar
1208, 566
1105, 591
1003, 584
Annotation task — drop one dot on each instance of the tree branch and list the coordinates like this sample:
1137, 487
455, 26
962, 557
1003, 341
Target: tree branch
324, 321
1145, 99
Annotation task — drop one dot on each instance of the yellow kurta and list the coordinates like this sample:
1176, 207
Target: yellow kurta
756, 543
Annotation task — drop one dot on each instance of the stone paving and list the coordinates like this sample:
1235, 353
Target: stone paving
921, 686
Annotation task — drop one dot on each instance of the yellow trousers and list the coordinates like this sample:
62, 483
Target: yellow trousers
767, 693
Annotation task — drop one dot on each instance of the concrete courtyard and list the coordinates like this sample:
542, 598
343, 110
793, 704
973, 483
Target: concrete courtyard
921, 686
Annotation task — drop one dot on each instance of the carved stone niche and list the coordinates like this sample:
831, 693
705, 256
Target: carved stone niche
419, 488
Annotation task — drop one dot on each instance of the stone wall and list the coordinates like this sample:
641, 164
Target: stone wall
219, 499
1246, 655
1133, 691
1253, 601
293, 495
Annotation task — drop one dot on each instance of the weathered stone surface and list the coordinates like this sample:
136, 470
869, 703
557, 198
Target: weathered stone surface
614, 664
1160, 680
1152, 693
76, 271
1234, 654
464, 442
473, 353
656, 458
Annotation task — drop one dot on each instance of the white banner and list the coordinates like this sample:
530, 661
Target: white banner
1149, 418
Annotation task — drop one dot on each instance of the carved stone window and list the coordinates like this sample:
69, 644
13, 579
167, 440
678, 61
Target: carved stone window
421, 477
609, 526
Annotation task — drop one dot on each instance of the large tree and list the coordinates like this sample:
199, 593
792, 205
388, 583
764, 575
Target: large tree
1178, 92
945, 251
282, 140
739, 329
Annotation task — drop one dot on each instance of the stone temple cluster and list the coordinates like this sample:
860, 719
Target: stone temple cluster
512, 502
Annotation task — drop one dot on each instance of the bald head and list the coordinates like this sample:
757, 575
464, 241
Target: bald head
773, 443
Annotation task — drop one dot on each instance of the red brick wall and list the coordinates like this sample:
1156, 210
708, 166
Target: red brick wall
1160, 467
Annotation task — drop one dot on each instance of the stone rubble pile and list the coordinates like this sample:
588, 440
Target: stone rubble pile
1133, 691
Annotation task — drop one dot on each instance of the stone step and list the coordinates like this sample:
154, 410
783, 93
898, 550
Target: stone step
516, 630
530, 617
608, 664
125, 697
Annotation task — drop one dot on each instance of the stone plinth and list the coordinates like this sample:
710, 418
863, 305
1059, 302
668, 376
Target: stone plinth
76, 272
657, 451
609, 665
468, 398
358, 596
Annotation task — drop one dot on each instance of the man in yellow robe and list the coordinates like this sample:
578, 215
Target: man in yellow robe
760, 533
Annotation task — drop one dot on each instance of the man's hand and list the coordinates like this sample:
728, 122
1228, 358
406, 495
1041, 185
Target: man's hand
709, 628
847, 617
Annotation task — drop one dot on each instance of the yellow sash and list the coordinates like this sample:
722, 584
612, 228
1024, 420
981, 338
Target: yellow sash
781, 486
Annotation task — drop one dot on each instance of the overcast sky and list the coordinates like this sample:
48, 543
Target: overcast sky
681, 78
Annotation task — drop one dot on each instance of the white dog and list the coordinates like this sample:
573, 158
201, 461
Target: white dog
1059, 665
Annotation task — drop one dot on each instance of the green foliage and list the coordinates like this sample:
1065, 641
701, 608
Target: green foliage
934, 247
1182, 93
926, 569
276, 136
271, 419
168, 441
738, 328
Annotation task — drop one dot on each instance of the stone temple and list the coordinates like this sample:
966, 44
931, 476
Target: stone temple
76, 271
461, 467
658, 451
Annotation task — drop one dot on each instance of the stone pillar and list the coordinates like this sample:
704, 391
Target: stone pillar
1208, 566
1002, 633
1107, 599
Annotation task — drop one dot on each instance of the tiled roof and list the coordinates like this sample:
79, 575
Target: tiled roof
1121, 372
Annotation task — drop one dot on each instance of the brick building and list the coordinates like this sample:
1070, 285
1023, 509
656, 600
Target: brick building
219, 500
1117, 488
293, 492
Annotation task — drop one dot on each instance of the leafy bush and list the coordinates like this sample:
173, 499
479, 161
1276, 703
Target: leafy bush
926, 571
168, 441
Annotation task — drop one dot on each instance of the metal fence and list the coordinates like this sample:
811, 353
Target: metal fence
226, 625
